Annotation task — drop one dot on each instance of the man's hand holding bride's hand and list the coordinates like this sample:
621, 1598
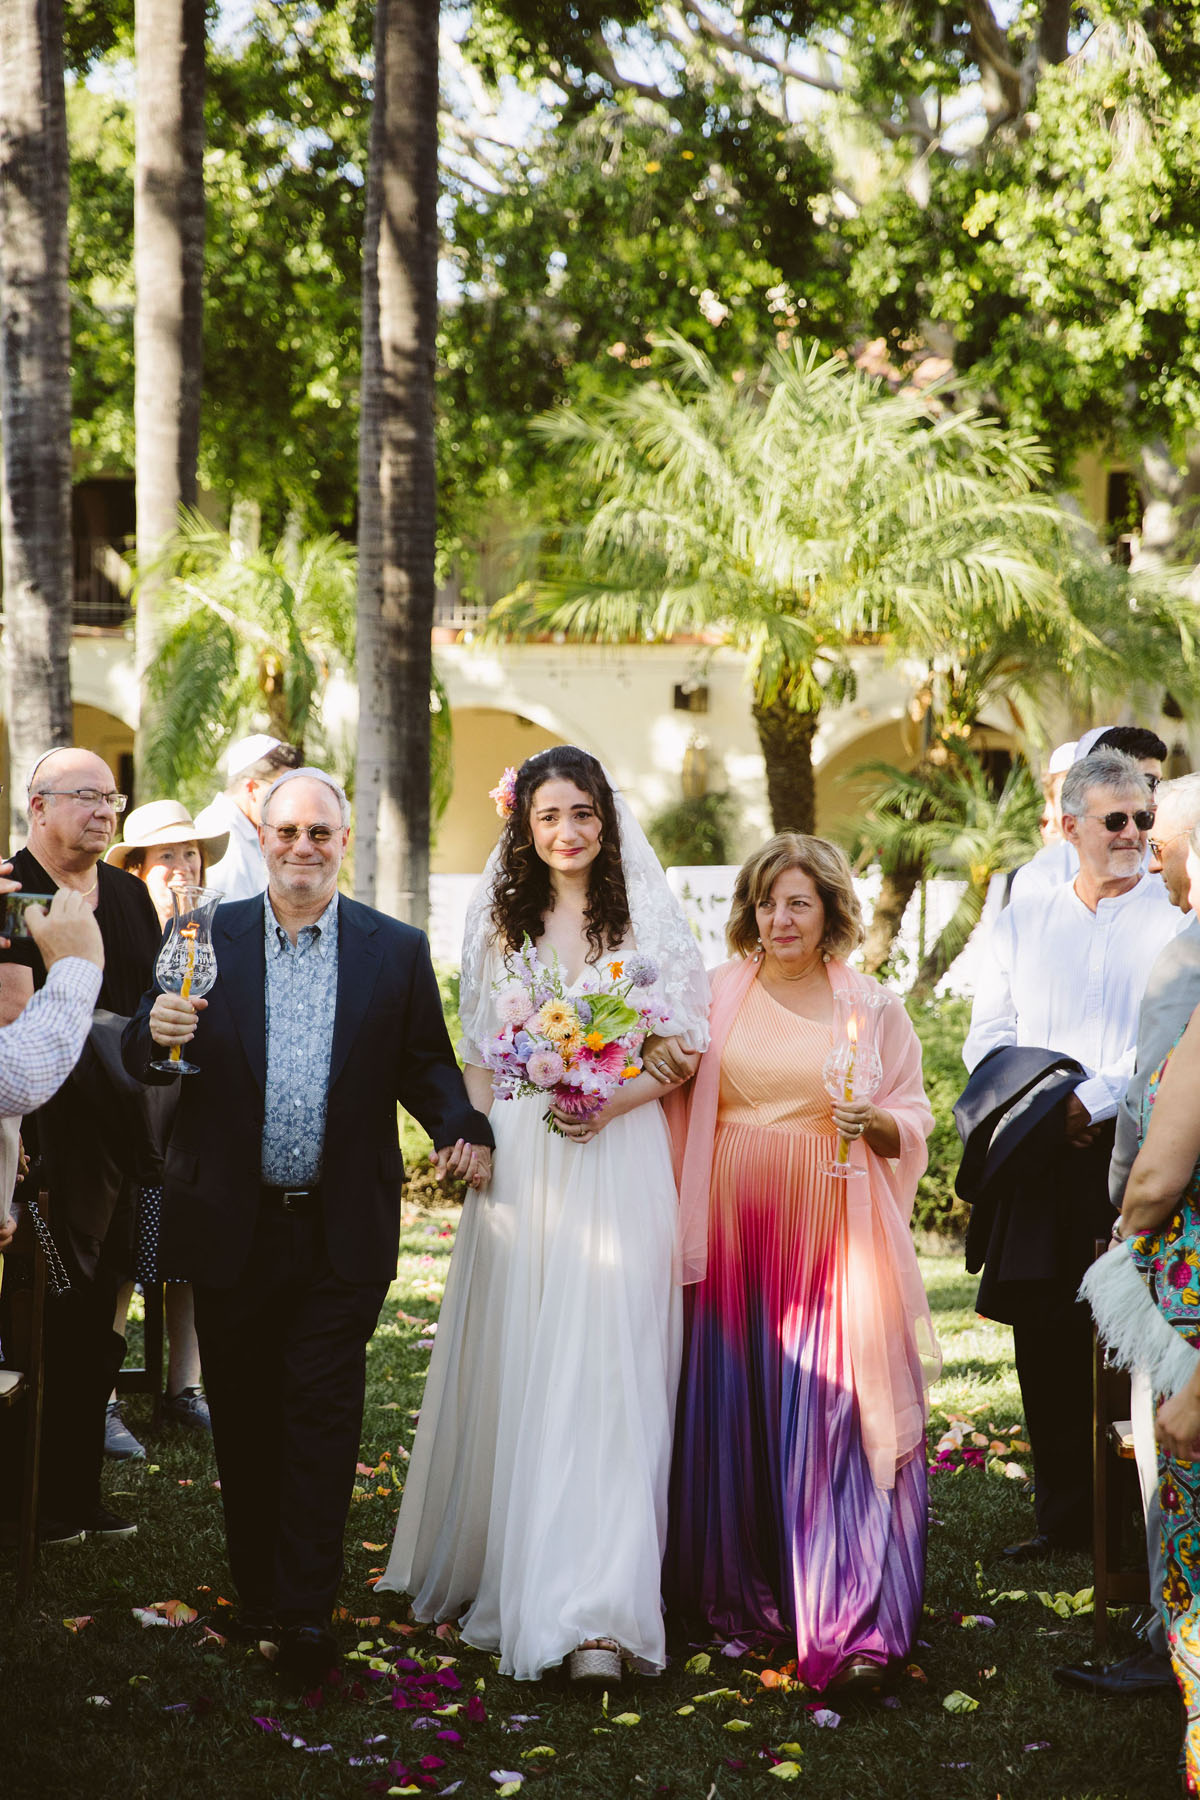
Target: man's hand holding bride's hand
472, 1163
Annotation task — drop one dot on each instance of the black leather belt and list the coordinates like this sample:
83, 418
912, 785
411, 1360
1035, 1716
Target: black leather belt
289, 1200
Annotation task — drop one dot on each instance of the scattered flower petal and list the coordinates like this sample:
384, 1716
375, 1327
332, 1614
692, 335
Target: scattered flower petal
958, 1702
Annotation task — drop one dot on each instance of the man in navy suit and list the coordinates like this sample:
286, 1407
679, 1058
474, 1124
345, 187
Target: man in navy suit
282, 1192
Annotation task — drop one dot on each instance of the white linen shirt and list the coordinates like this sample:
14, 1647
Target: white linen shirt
242, 871
1062, 977
1053, 864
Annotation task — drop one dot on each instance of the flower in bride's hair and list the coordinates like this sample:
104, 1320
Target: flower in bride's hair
641, 971
514, 1005
556, 1021
505, 794
544, 1068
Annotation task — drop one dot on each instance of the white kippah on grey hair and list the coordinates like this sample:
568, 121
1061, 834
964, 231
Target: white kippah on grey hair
313, 775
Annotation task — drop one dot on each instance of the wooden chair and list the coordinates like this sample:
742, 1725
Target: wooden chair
1115, 1493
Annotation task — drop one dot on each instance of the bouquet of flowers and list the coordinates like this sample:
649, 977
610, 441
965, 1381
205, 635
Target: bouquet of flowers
576, 1049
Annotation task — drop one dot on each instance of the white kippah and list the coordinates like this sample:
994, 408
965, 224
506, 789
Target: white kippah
53, 751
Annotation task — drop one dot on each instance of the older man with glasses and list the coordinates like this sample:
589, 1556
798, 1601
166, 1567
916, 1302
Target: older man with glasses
1065, 976
77, 1141
1172, 995
282, 1192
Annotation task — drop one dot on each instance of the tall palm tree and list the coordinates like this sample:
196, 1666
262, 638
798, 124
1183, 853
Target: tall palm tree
168, 264
951, 821
35, 386
790, 517
397, 486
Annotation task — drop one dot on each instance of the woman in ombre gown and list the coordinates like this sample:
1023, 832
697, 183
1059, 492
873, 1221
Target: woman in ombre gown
799, 1484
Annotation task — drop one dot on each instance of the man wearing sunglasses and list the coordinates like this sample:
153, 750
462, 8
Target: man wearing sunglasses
282, 1192
1172, 995
1058, 860
1065, 973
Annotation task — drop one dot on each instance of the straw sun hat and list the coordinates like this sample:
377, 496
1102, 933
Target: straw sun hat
165, 822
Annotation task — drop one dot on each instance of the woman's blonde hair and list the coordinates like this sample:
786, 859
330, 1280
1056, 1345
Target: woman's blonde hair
829, 872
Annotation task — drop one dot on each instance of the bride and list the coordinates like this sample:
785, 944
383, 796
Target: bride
535, 1506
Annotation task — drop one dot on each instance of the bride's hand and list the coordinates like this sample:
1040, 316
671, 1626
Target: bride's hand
582, 1131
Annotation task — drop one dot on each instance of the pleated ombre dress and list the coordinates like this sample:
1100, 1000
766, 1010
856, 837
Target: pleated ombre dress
799, 1485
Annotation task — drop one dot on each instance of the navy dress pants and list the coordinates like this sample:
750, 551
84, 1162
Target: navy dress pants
284, 1358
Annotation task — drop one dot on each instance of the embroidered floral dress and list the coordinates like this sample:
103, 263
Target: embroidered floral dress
1170, 1261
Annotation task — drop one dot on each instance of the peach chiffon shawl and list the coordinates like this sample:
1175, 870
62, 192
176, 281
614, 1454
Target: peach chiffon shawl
893, 1351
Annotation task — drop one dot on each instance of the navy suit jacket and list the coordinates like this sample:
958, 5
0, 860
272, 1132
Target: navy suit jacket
390, 1045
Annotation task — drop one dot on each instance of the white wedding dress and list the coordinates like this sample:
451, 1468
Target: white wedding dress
536, 1501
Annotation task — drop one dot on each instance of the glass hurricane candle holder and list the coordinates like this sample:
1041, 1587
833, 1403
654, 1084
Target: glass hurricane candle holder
187, 963
852, 1070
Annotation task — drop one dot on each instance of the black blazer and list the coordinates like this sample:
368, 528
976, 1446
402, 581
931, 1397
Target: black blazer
390, 1046
1037, 1203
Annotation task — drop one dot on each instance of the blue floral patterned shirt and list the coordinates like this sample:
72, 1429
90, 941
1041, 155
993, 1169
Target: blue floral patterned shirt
301, 998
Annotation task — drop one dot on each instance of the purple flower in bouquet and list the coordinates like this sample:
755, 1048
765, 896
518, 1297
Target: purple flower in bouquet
583, 1010
545, 1068
641, 971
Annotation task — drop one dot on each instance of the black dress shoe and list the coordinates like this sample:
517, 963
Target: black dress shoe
1146, 1672
306, 1653
1038, 1548
251, 1625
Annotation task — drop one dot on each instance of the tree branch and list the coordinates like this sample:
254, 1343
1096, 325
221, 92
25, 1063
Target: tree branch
1000, 75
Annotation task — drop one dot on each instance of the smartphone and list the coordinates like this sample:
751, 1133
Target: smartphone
13, 908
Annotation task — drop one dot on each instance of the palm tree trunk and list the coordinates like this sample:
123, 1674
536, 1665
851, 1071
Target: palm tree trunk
168, 310
951, 940
35, 388
899, 885
397, 485
786, 737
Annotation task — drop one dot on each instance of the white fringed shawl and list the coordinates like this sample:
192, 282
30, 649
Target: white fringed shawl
1134, 1332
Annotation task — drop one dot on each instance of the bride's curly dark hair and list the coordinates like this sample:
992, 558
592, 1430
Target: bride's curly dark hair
522, 894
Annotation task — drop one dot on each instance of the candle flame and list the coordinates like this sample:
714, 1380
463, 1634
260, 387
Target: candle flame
852, 1029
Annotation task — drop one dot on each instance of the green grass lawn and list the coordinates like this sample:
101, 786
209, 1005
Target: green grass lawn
117, 1709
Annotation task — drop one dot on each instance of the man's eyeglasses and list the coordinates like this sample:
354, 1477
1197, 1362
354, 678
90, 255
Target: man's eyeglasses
318, 835
88, 797
1143, 818
1158, 845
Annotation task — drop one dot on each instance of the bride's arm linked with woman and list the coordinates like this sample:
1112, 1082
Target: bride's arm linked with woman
536, 1506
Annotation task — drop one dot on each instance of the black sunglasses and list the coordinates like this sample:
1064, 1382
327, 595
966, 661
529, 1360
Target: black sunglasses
1143, 818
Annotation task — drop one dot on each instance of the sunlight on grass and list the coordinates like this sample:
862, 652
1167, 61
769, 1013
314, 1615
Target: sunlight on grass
177, 1699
